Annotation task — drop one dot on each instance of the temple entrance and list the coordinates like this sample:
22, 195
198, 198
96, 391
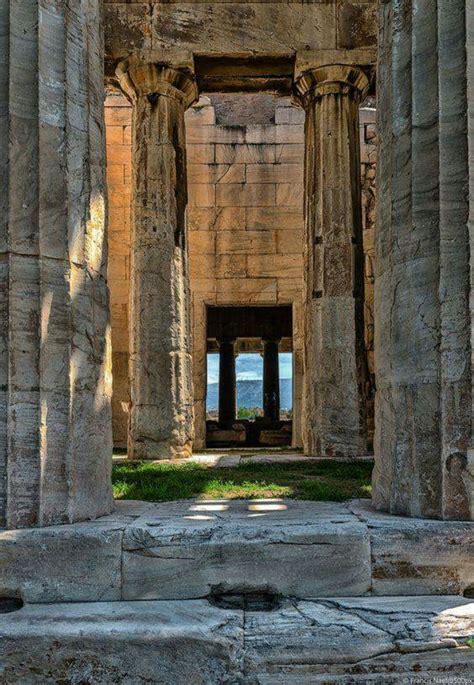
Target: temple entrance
244, 407
245, 244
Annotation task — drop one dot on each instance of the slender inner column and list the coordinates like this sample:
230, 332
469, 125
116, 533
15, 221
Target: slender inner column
161, 413
334, 393
271, 380
227, 381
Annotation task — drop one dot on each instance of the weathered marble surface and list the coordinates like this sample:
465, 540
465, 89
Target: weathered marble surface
305, 550
422, 326
333, 640
55, 375
360, 640
191, 548
417, 557
74, 563
226, 27
161, 388
334, 402
121, 642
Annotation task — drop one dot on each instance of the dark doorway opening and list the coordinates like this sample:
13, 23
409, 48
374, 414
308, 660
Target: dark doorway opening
249, 403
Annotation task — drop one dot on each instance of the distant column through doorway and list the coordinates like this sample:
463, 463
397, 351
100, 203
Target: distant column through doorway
227, 381
271, 380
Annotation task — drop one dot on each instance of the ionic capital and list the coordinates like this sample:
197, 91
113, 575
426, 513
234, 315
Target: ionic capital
341, 79
141, 79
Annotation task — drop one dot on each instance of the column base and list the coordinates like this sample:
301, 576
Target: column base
156, 451
314, 448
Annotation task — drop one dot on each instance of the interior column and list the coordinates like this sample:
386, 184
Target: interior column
271, 380
334, 411
227, 381
161, 412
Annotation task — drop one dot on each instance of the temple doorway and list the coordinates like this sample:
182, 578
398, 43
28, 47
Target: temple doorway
248, 398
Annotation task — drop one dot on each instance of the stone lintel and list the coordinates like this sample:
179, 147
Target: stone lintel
330, 79
305, 60
141, 75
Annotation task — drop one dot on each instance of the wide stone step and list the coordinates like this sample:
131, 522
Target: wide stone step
373, 639
193, 549
292, 549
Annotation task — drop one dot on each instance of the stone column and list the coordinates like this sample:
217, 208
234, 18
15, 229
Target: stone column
271, 380
227, 381
423, 370
55, 418
161, 412
335, 367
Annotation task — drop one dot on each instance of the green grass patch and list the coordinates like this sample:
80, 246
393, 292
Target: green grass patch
322, 481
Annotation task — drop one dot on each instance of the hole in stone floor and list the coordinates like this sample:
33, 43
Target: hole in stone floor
469, 592
247, 601
9, 604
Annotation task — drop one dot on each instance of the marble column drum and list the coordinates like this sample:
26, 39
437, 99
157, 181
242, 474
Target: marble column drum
422, 319
55, 366
161, 411
335, 368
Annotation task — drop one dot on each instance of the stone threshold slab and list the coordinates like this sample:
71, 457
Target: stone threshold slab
193, 548
231, 458
301, 641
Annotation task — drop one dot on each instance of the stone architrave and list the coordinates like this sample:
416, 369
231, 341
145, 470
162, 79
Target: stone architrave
423, 406
55, 372
161, 411
335, 367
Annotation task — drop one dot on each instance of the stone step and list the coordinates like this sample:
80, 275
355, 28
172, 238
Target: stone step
373, 639
191, 549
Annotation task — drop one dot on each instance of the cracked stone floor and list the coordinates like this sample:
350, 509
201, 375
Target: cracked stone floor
142, 596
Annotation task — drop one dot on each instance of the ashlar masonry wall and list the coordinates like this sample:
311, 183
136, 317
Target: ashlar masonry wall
245, 225
245, 218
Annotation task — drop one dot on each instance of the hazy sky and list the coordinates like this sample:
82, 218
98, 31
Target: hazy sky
249, 367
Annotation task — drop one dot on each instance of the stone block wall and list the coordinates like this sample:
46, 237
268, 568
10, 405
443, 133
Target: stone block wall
118, 120
245, 224
245, 219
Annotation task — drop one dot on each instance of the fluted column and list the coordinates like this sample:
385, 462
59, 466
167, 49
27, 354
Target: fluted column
55, 419
422, 320
227, 381
271, 380
161, 412
334, 403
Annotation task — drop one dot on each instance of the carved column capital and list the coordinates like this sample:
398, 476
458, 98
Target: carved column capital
142, 79
338, 79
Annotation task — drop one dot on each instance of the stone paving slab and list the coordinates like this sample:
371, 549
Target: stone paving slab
121, 642
187, 549
75, 563
340, 640
231, 458
292, 548
418, 556
359, 637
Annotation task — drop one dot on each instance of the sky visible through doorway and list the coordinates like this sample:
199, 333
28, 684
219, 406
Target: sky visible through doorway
249, 367
249, 371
